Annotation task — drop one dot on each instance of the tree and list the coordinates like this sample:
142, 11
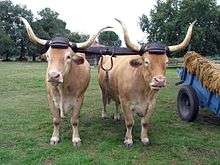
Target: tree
6, 45
51, 24
170, 19
144, 23
8, 19
205, 39
76, 37
109, 38
218, 27
14, 40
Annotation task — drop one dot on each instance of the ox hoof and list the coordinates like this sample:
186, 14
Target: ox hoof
128, 143
145, 141
54, 140
76, 142
116, 117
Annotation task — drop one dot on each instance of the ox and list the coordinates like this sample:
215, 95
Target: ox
67, 78
135, 80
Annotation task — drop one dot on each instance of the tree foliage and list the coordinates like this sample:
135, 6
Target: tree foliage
109, 38
13, 37
77, 37
169, 20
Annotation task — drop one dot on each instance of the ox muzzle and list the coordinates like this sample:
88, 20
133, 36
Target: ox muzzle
158, 82
55, 78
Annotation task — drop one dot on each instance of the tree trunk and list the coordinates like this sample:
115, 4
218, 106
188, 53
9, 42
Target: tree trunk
33, 58
7, 58
22, 52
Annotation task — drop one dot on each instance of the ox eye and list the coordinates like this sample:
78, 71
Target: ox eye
146, 63
68, 57
47, 56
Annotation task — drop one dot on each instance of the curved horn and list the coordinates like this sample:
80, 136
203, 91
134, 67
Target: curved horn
91, 40
128, 42
186, 40
31, 34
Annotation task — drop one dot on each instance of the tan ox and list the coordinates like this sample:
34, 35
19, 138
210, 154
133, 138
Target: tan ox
67, 78
134, 82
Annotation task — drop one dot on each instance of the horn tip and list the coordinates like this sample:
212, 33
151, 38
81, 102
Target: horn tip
117, 20
108, 27
193, 23
19, 17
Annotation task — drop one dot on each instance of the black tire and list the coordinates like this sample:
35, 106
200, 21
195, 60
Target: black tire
187, 103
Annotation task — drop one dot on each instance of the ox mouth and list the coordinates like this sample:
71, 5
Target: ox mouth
154, 87
54, 83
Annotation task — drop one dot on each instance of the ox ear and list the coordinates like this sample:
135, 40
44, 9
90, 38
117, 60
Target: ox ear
78, 59
136, 62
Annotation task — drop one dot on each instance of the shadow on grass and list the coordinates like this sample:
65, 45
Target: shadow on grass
206, 117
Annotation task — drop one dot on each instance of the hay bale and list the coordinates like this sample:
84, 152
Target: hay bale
207, 71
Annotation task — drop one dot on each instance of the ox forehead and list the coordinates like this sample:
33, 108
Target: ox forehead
155, 48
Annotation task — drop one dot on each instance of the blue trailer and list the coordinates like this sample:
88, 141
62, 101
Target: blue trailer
193, 96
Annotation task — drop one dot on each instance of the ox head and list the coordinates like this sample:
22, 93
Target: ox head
60, 53
153, 57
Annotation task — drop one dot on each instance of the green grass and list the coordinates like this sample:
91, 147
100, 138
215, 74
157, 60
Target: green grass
26, 127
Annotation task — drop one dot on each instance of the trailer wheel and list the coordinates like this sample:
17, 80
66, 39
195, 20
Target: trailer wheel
187, 103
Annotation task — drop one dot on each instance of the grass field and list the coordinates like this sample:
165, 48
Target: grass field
26, 127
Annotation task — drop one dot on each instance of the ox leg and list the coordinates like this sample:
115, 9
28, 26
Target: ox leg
75, 122
116, 116
145, 123
56, 123
104, 101
129, 122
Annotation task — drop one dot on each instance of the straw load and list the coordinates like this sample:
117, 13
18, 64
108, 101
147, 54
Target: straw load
206, 71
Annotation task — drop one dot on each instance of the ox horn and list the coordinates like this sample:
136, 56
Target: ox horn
186, 40
91, 40
31, 34
128, 42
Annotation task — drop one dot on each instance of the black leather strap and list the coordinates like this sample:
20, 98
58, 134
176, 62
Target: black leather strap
168, 52
45, 48
154, 48
73, 46
143, 49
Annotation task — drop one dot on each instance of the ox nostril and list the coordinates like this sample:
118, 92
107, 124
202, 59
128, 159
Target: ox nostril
54, 75
156, 79
57, 76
